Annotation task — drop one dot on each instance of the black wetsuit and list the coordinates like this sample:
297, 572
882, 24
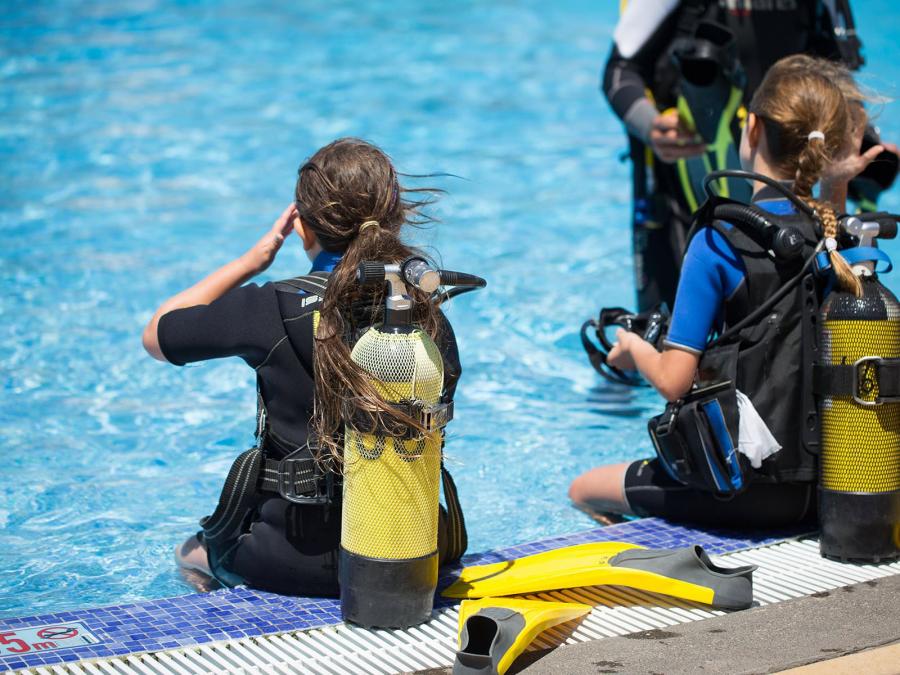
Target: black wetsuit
650, 491
640, 60
284, 547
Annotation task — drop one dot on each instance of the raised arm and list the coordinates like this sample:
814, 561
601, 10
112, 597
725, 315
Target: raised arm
227, 277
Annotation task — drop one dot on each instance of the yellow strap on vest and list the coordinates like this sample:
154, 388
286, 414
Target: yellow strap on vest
718, 148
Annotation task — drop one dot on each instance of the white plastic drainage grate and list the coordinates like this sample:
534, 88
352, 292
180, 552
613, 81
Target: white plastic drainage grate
787, 570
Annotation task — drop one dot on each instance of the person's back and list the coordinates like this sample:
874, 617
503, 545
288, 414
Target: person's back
801, 130
641, 83
278, 522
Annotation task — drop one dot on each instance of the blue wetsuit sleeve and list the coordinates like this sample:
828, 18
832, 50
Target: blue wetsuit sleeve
710, 274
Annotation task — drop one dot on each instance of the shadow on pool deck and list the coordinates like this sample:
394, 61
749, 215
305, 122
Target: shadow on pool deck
766, 639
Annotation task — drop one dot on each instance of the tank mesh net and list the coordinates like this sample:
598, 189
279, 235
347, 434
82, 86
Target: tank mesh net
391, 485
860, 444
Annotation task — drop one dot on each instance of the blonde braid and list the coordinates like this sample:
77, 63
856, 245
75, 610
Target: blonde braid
807, 119
846, 278
810, 163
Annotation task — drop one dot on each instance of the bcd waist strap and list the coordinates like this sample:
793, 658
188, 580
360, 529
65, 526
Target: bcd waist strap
298, 478
431, 417
871, 380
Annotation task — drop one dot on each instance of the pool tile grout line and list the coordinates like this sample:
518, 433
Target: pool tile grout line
240, 612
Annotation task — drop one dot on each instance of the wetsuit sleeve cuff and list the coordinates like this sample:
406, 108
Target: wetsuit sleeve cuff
685, 348
639, 119
162, 338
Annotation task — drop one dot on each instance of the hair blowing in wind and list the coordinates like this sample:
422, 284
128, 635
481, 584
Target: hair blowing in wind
348, 193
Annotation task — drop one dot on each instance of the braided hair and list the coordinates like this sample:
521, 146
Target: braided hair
807, 120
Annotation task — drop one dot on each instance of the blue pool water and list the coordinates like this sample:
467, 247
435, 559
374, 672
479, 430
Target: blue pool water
144, 143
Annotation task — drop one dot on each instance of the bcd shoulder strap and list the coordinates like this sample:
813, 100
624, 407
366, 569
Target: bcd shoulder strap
314, 283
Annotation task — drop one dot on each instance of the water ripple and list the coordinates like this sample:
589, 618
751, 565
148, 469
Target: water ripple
143, 142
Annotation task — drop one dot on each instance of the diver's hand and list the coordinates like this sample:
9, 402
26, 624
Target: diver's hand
851, 162
263, 253
844, 168
671, 141
620, 355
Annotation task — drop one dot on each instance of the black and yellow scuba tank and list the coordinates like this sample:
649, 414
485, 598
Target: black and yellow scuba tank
392, 477
857, 379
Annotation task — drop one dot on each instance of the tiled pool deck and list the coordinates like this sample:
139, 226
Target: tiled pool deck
234, 613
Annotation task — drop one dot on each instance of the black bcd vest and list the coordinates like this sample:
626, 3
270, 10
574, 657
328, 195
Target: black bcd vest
770, 359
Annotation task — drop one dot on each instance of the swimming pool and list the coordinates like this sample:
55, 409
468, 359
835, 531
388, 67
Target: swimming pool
143, 143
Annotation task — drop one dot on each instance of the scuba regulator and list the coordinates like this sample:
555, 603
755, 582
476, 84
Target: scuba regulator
389, 529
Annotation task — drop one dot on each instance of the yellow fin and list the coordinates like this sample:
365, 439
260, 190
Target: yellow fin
494, 631
560, 568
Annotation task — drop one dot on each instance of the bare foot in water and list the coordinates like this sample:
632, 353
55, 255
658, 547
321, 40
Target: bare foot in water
193, 563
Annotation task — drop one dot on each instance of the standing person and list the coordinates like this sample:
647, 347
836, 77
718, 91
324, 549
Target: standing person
641, 83
349, 207
801, 130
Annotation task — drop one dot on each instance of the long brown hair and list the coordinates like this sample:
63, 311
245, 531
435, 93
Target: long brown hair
348, 193
800, 95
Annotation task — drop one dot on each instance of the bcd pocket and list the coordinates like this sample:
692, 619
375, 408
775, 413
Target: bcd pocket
696, 441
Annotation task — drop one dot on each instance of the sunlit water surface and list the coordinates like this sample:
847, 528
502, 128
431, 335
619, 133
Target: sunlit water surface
144, 143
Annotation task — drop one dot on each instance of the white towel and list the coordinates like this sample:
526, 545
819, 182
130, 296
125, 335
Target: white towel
755, 441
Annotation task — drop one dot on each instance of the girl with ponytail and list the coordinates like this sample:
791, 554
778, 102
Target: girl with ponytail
349, 206
804, 128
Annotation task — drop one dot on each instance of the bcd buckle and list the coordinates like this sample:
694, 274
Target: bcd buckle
294, 471
667, 420
437, 416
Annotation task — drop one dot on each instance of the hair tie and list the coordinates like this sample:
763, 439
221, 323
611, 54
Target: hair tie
816, 134
369, 223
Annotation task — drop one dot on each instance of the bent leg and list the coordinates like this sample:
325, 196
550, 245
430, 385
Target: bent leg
650, 491
193, 562
601, 490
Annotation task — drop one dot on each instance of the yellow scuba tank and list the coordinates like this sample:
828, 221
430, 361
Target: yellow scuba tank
389, 531
858, 378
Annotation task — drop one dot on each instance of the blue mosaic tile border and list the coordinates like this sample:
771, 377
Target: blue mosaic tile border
239, 612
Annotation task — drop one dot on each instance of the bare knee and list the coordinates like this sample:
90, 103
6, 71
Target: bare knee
579, 488
601, 489
192, 555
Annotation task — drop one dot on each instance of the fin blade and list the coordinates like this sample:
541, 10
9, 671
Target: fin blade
566, 567
493, 632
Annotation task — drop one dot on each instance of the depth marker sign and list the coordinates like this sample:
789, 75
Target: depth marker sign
45, 638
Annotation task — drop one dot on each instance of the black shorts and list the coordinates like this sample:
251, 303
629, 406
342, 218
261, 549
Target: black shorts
650, 491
